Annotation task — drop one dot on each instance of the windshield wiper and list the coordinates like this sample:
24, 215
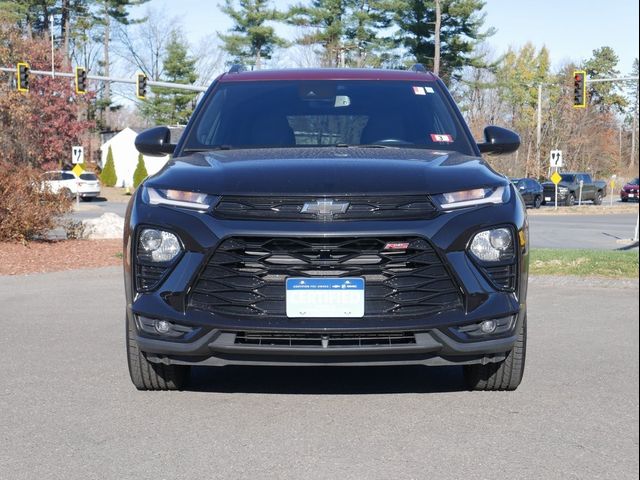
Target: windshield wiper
372, 145
209, 149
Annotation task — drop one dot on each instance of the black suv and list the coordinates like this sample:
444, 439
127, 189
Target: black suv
326, 217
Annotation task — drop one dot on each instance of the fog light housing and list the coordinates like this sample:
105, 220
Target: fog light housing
488, 326
162, 326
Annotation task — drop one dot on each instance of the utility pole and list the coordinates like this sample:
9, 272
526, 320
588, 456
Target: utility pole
539, 130
634, 127
436, 55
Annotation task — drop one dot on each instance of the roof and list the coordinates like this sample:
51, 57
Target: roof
328, 74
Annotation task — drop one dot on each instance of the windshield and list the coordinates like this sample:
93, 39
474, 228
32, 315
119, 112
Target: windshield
285, 114
635, 181
568, 178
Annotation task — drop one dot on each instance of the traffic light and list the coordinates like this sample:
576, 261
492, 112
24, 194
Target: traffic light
81, 80
141, 85
23, 77
579, 89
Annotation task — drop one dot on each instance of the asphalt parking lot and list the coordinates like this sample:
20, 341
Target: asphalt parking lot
68, 409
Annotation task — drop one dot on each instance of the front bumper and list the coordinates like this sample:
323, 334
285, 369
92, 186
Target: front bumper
213, 339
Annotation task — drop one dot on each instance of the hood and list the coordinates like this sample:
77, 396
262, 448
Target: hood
326, 171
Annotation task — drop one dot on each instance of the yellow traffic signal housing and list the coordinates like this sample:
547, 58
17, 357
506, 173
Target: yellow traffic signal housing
579, 89
81, 80
22, 76
141, 85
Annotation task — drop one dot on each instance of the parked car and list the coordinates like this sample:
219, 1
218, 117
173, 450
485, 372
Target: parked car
326, 217
65, 181
531, 191
630, 191
569, 190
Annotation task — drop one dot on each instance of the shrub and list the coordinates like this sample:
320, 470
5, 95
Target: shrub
108, 175
27, 210
140, 173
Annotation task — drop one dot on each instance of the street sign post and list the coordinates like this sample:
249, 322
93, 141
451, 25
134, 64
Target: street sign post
77, 170
77, 155
580, 195
612, 184
556, 178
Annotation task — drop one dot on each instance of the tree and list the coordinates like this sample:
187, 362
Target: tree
108, 175
605, 96
251, 39
118, 11
140, 172
460, 32
38, 128
348, 32
326, 21
171, 106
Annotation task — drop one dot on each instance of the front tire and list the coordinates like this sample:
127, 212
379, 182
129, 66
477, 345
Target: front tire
571, 200
146, 375
504, 375
537, 202
598, 199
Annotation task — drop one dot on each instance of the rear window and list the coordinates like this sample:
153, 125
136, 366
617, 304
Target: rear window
68, 176
281, 114
88, 176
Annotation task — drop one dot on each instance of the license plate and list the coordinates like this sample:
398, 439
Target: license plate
325, 297
547, 199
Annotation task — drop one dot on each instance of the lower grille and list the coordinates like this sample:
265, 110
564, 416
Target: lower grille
328, 341
245, 277
148, 276
503, 277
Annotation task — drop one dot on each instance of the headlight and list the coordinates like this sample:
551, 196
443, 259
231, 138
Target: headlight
158, 246
177, 198
494, 245
470, 198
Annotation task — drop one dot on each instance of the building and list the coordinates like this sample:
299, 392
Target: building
125, 155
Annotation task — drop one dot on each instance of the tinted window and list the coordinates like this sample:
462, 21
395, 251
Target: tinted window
307, 113
88, 176
568, 178
635, 181
68, 176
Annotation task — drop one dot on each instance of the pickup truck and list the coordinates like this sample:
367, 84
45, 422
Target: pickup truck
569, 189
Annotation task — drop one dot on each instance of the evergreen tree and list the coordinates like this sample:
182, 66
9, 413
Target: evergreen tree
251, 40
108, 175
140, 172
606, 96
171, 106
460, 32
349, 32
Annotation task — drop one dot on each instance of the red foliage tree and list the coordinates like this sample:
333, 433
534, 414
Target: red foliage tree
39, 127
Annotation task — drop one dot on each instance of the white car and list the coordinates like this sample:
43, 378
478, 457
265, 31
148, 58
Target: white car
86, 185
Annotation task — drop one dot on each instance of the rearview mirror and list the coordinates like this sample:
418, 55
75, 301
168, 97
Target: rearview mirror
155, 141
499, 140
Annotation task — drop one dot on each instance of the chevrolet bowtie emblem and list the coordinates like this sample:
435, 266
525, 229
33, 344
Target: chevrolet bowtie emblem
325, 209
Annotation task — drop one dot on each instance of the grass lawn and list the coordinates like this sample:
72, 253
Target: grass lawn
584, 263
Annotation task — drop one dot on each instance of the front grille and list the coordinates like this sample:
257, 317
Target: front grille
405, 207
246, 276
327, 341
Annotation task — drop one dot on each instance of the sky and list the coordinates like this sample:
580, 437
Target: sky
570, 29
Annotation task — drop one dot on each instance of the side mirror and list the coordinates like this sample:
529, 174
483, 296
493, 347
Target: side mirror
155, 142
499, 140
